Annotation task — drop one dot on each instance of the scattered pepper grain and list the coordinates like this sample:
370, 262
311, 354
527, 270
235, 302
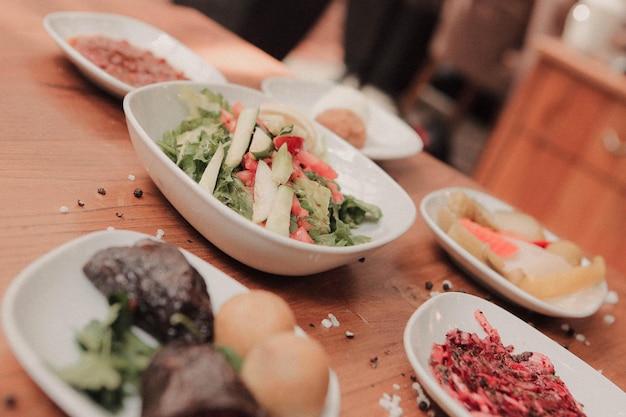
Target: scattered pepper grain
10, 402
374, 362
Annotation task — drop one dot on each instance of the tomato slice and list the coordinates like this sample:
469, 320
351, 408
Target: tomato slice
294, 143
229, 120
249, 162
311, 162
301, 234
246, 176
334, 189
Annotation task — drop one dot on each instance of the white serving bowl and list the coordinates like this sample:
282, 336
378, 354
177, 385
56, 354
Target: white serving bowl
154, 109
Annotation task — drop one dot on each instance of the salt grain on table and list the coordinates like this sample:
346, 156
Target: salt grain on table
331, 321
609, 319
611, 297
422, 400
391, 404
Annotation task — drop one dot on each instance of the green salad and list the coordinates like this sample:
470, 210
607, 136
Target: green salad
266, 164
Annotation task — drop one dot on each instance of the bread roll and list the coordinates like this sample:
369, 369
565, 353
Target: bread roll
288, 375
247, 319
345, 111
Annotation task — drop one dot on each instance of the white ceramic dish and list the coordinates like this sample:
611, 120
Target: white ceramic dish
580, 304
62, 26
152, 110
433, 319
388, 137
51, 299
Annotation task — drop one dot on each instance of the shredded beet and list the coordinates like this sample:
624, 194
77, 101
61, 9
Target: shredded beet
489, 379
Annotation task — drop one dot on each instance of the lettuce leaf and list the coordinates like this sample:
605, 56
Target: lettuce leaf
113, 357
192, 144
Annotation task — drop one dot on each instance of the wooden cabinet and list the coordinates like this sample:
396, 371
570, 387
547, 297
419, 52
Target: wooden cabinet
558, 151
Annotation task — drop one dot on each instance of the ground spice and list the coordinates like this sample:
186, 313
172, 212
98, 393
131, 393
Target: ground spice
126, 62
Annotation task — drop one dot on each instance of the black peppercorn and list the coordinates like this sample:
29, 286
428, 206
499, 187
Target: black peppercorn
138, 192
10, 401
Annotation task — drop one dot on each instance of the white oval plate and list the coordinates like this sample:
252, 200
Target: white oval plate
580, 304
152, 110
51, 299
62, 26
388, 137
433, 319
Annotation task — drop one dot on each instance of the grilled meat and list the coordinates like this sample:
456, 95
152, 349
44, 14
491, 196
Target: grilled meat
169, 297
194, 380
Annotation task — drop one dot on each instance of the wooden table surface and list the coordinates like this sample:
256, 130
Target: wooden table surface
61, 139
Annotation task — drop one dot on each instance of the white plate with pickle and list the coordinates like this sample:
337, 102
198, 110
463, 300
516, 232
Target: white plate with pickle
52, 299
64, 26
582, 303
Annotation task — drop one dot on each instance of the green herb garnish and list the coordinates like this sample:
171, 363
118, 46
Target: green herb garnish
112, 359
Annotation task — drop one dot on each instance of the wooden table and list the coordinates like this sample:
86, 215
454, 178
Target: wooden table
61, 139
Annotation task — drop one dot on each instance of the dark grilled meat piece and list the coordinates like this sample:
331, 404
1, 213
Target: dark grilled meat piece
160, 284
194, 380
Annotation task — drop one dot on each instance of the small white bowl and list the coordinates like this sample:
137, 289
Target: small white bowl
152, 110
448, 311
388, 136
62, 26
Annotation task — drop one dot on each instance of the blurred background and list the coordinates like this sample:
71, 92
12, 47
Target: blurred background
445, 66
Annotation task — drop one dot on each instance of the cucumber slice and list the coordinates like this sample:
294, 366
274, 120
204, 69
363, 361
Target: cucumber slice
276, 116
262, 144
209, 176
280, 214
282, 165
264, 192
274, 122
241, 138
